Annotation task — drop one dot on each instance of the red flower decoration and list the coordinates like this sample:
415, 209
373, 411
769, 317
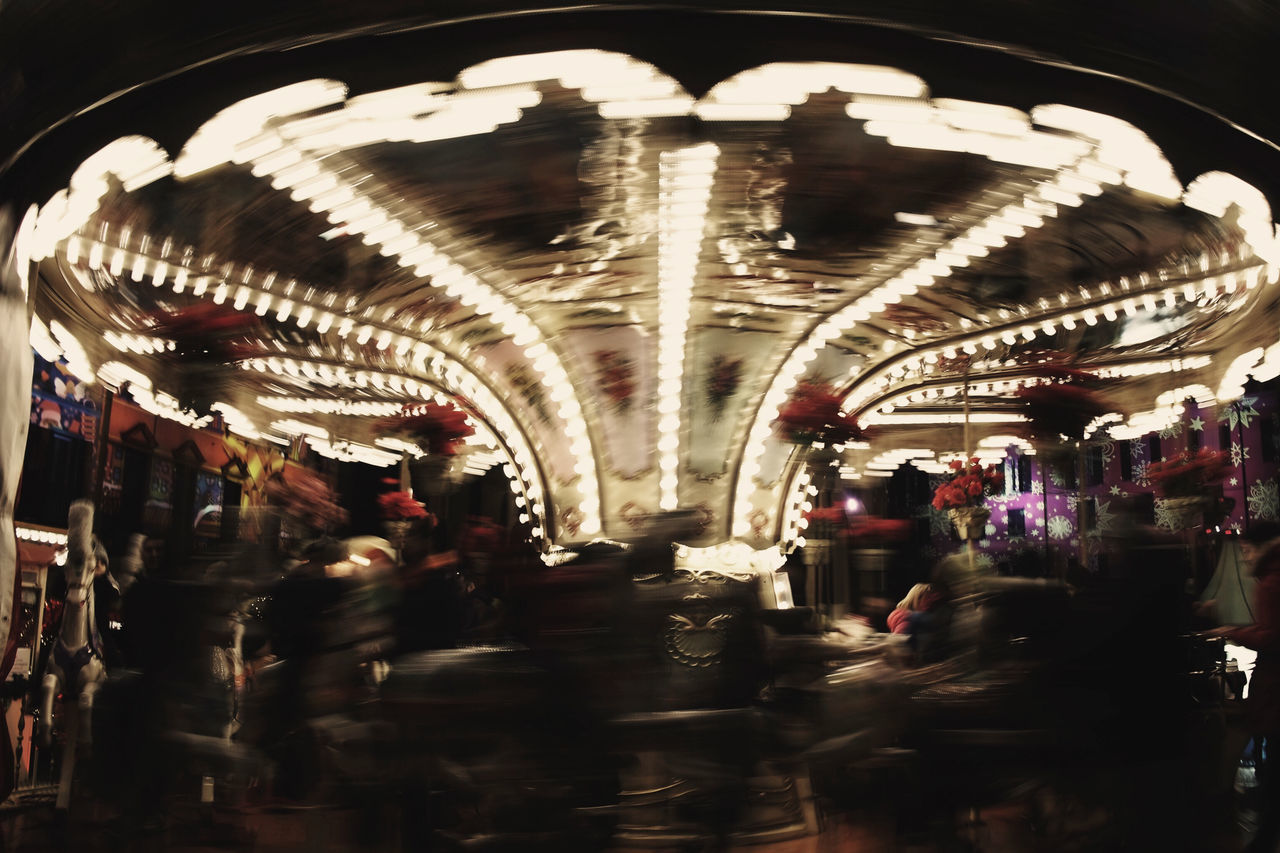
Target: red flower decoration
616, 376
400, 506
813, 414
968, 484
1063, 404
441, 428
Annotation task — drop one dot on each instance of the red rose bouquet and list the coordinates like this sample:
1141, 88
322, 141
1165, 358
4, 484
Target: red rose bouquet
813, 414
440, 428
968, 485
1189, 473
400, 506
1064, 403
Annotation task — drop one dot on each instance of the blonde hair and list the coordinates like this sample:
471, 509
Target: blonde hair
912, 600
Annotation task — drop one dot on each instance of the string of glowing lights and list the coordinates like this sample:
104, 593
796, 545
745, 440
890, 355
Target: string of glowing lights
685, 182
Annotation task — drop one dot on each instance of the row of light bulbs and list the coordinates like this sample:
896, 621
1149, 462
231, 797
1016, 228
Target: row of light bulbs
38, 534
796, 503
923, 363
1122, 154
358, 212
1003, 387
1208, 288
1011, 221
145, 162
506, 437
140, 161
303, 311
685, 182
140, 344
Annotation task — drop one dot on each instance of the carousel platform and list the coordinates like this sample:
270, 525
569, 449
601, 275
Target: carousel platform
36, 828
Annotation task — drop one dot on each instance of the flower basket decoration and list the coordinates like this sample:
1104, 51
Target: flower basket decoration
399, 514
438, 428
307, 498
1060, 406
963, 493
400, 506
813, 415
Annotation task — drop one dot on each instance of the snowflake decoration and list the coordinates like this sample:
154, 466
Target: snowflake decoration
1166, 517
1073, 503
1173, 430
991, 530
1103, 518
1057, 478
1239, 453
1060, 527
983, 561
984, 543
1115, 490
1137, 451
1037, 487
1235, 481
1242, 412
1197, 424
1140, 474
1264, 500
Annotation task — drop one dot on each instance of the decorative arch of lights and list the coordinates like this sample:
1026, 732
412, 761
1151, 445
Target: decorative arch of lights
1088, 152
295, 138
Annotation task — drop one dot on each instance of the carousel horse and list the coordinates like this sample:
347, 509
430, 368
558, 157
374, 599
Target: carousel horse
75, 662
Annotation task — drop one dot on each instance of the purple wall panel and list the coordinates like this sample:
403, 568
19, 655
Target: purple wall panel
1050, 507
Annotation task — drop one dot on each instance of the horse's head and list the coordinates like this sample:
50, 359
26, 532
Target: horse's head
85, 554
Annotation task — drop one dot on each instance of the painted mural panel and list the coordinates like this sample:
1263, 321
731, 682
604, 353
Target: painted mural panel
620, 363
726, 371
531, 401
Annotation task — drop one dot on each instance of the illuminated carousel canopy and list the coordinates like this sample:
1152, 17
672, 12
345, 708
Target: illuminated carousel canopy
622, 279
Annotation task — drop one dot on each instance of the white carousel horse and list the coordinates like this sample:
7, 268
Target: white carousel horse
75, 661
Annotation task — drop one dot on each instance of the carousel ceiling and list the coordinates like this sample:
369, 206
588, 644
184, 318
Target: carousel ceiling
622, 283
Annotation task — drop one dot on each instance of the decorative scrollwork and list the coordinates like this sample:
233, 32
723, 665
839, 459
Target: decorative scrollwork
697, 645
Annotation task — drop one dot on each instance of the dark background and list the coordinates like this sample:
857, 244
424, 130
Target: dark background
75, 75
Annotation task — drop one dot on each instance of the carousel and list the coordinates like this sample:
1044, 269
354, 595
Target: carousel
813, 323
